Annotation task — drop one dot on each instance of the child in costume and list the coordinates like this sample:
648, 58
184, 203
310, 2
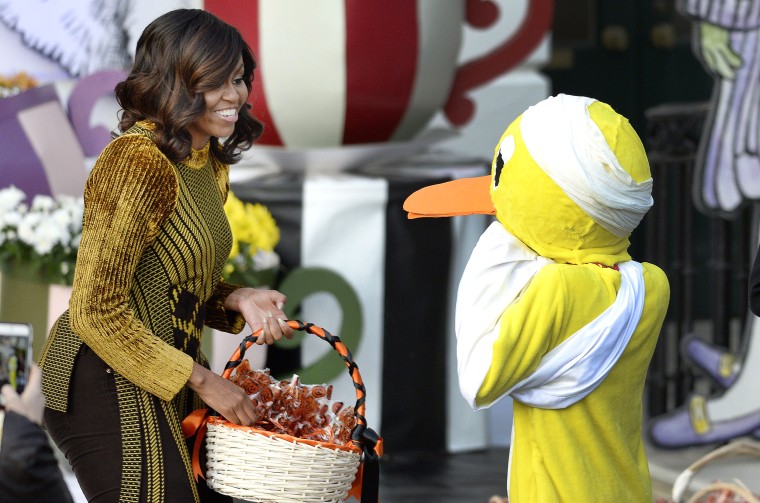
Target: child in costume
551, 310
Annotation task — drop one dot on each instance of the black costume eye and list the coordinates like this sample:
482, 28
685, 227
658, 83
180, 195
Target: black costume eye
497, 171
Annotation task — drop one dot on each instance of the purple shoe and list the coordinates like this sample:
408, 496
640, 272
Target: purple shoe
690, 426
720, 365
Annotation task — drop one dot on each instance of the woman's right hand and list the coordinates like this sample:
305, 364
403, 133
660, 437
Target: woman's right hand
225, 397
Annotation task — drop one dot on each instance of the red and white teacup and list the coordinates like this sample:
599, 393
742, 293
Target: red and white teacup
342, 72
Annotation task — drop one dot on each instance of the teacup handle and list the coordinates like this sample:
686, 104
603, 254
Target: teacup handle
459, 109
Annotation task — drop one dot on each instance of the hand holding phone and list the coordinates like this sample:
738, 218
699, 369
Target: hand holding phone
31, 403
15, 356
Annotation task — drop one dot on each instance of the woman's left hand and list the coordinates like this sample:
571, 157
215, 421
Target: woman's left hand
261, 309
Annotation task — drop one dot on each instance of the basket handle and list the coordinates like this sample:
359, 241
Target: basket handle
360, 435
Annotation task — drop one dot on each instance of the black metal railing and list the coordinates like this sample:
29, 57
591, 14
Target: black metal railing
706, 258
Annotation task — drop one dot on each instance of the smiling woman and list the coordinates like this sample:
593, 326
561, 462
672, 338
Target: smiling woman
192, 85
123, 366
222, 106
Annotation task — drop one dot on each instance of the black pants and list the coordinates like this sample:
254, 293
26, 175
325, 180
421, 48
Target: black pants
89, 435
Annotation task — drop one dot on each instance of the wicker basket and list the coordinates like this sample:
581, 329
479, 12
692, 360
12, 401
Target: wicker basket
718, 491
257, 465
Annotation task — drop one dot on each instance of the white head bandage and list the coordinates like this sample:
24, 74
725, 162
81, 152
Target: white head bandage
569, 147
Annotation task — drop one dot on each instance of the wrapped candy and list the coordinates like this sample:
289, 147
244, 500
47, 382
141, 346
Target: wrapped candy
291, 408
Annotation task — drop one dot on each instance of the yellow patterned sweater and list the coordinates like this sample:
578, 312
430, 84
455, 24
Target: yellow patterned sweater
148, 276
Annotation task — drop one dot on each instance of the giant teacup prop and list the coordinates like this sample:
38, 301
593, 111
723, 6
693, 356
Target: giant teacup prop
342, 72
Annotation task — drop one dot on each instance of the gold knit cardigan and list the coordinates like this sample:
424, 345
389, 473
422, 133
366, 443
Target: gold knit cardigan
148, 277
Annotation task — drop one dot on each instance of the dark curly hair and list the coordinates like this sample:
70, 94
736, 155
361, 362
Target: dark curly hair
180, 55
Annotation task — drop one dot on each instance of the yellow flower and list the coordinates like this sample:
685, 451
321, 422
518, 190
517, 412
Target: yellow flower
252, 225
14, 84
265, 235
22, 80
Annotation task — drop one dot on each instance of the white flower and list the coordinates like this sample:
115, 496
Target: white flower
74, 206
41, 232
264, 260
10, 198
10, 219
62, 219
27, 226
42, 204
27, 229
47, 236
47, 233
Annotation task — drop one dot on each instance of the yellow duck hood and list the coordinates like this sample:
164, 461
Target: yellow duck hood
569, 178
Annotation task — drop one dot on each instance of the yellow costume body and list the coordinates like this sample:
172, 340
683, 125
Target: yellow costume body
570, 180
592, 450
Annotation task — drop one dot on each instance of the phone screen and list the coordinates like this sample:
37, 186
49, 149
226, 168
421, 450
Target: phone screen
15, 355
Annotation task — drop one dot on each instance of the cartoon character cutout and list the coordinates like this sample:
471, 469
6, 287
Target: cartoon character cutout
80, 38
727, 177
551, 309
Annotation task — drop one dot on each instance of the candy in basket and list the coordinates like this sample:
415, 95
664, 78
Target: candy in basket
279, 459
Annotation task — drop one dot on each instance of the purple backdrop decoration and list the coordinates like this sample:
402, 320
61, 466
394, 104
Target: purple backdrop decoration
81, 103
19, 164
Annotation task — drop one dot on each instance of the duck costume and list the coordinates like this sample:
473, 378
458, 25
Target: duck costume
551, 310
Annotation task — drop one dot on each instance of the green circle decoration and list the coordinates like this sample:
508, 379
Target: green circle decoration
305, 281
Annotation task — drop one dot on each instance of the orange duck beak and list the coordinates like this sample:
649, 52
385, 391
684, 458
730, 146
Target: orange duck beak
465, 196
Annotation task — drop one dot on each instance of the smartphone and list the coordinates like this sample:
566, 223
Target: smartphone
15, 355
